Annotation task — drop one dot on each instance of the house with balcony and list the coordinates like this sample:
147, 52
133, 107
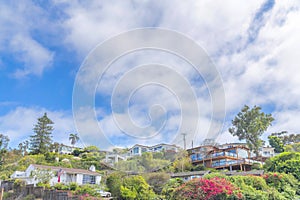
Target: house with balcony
228, 156
138, 150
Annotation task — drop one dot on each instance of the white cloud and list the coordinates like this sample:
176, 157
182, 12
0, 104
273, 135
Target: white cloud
18, 22
263, 72
247, 71
18, 124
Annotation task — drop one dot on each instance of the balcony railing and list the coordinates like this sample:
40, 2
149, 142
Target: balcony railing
199, 157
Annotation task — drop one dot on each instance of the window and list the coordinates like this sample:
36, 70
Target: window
135, 150
88, 179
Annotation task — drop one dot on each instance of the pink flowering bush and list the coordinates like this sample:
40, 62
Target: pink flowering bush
207, 189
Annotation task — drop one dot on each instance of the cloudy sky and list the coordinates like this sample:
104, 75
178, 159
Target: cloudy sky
253, 45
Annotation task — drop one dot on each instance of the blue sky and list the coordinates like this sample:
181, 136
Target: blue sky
254, 46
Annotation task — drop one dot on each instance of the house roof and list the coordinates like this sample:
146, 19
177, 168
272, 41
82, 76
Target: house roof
67, 170
254, 172
164, 144
194, 173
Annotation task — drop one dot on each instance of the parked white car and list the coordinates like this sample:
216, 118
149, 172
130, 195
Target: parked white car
104, 194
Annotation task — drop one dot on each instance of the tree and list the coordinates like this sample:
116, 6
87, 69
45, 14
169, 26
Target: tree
182, 162
135, 187
290, 138
292, 147
40, 142
249, 125
114, 182
73, 138
276, 143
3, 146
157, 180
42, 175
170, 187
23, 147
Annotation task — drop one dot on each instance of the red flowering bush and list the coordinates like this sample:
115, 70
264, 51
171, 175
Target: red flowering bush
207, 189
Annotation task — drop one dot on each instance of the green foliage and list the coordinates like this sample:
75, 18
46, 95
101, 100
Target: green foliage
287, 162
253, 187
91, 149
60, 186
295, 147
3, 146
114, 182
170, 187
256, 166
40, 142
50, 157
286, 184
249, 125
157, 181
199, 167
73, 186
276, 143
19, 183
77, 152
214, 174
135, 188
87, 189
144, 163
45, 185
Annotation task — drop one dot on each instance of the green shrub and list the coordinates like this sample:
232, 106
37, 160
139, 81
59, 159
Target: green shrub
286, 184
73, 186
61, 186
45, 185
86, 189
215, 174
19, 183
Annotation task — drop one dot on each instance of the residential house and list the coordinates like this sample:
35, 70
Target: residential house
267, 152
228, 156
60, 174
187, 176
65, 149
164, 147
138, 149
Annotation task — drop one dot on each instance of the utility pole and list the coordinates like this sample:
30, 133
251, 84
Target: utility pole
184, 141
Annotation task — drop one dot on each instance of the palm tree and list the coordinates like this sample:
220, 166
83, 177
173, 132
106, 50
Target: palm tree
73, 138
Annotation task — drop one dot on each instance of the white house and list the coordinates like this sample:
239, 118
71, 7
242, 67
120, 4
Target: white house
187, 176
67, 175
138, 149
267, 152
164, 147
65, 149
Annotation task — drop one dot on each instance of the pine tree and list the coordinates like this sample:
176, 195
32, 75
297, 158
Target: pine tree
40, 142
